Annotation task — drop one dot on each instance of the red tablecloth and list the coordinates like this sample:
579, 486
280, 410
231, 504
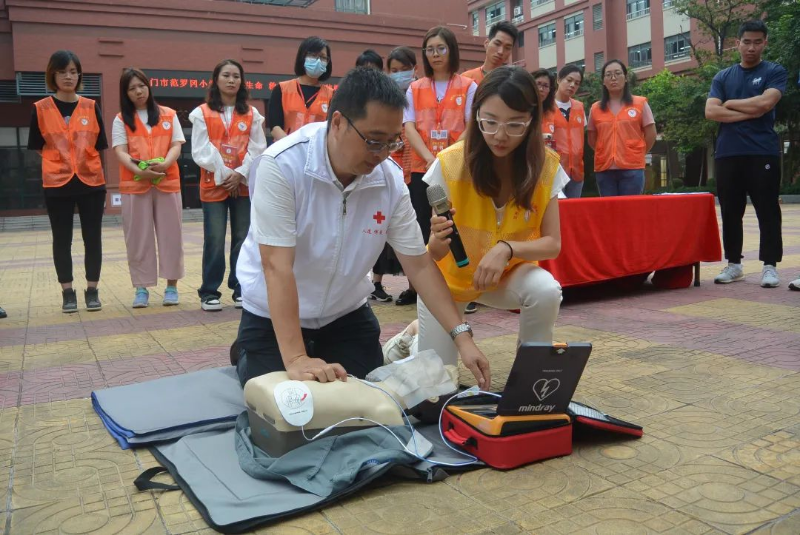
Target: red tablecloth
611, 237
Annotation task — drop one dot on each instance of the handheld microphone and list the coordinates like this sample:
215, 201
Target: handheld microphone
437, 198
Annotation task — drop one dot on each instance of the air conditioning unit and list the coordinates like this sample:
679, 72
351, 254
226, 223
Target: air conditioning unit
518, 11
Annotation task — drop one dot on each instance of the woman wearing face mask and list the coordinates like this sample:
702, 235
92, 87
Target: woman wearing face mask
151, 198
622, 131
436, 117
546, 87
503, 185
570, 123
227, 134
305, 99
67, 130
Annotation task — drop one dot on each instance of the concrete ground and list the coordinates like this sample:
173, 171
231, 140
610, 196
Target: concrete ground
710, 372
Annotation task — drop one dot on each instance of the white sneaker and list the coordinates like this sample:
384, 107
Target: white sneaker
769, 277
237, 302
730, 273
210, 304
795, 284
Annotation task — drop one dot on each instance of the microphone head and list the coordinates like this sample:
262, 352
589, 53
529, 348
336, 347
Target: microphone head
436, 195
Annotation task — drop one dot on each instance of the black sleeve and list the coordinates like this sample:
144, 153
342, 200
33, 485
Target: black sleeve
275, 111
35, 139
102, 140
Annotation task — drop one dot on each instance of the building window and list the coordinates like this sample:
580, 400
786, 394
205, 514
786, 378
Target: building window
573, 26
537, 3
547, 34
21, 182
517, 12
667, 4
676, 47
475, 23
640, 56
637, 8
597, 17
599, 61
352, 6
521, 40
494, 14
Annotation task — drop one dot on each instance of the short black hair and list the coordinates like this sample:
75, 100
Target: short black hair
505, 27
753, 26
403, 55
370, 57
566, 70
312, 45
450, 41
361, 86
58, 62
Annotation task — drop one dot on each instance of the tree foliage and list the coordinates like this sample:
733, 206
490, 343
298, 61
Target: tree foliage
719, 22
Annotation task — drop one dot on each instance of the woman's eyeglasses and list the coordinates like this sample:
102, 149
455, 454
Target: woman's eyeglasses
490, 126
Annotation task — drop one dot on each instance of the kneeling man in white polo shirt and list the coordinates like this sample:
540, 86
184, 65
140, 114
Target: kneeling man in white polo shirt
325, 200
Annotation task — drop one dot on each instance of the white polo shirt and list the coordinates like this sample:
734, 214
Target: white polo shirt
337, 232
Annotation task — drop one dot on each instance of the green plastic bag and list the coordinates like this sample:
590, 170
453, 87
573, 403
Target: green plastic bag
144, 164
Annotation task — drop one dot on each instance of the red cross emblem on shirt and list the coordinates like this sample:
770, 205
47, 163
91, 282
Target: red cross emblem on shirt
379, 217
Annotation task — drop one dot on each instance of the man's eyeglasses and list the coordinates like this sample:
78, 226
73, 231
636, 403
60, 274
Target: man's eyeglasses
376, 146
615, 74
441, 50
490, 126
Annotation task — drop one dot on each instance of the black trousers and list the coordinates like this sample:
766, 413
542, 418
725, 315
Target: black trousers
417, 189
352, 341
90, 209
760, 178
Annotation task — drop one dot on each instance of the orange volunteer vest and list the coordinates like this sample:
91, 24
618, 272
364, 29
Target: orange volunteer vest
620, 138
403, 158
237, 137
548, 122
433, 116
569, 139
69, 149
144, 145
475, 74
296, 112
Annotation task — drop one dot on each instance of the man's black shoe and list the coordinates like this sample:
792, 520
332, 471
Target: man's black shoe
407, 297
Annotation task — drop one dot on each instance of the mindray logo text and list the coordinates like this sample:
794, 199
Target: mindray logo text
536, 408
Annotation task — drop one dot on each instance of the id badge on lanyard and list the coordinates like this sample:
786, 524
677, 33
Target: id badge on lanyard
439, 136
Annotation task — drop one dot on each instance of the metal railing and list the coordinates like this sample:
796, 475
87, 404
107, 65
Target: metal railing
638, 14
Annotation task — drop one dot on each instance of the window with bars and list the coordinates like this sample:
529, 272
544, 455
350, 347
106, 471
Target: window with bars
637, 8
475, 23
667, 4
547, 34
495, 13
573, 25
597, 17
352, 6
676, 47
536, 3
599, 61
640, 56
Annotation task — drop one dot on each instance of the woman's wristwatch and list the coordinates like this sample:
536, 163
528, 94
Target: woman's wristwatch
458, 329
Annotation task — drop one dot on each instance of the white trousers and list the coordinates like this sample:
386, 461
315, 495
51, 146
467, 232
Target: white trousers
529, 288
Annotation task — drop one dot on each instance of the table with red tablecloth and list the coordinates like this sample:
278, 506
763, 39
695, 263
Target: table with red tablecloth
609, 238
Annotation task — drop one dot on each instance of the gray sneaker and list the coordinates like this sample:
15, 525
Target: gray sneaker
795, 284
769, 277
730, 273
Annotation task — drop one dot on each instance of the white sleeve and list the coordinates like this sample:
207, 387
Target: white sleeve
404, 234
255, 146
470, 98
409, 114
273, 211
204, 153
177, 131
118, 134
434, 177
561, 179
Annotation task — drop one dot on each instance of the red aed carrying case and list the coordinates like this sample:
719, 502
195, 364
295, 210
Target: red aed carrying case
505, 442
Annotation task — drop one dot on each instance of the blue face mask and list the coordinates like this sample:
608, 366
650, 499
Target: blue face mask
403, 78
315, 67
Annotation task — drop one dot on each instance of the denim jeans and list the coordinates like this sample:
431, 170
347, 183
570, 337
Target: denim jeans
573, 189
215, 226
352, 341
616, 182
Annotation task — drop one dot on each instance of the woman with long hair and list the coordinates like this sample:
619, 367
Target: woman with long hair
147, 140
436, 117
622, 131
297, 102
570, 127
546, 87
67, 131
227, 134
503, 184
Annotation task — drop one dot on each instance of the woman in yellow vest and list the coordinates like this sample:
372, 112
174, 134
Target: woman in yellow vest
227, 135
570, 127
147, 140
435, 118
305, 99
503, 185
67, 130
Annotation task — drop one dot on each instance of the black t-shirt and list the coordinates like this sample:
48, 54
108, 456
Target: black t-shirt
275, 112
36, 142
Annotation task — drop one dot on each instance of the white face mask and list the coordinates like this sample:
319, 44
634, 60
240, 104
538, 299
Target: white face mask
403, 78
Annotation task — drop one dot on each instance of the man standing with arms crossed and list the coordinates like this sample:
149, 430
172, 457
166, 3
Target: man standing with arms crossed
742, 99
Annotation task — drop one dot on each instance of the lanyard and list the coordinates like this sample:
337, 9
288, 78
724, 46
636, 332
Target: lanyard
313, 97
439, 108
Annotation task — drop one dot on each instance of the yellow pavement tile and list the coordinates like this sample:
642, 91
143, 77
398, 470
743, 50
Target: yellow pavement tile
788, 525
10, 357
120, 346
57, 354
188, 338
753, 314
7, 423
776, 455
621, 400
